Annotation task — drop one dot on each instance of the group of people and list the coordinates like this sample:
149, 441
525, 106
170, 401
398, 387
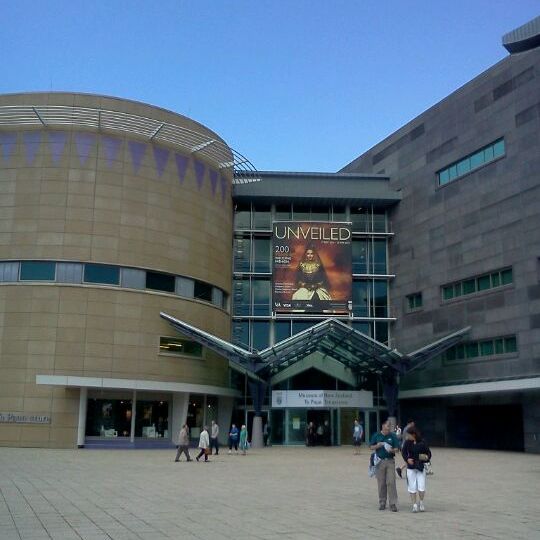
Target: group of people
317, 435
210, 441
416, 454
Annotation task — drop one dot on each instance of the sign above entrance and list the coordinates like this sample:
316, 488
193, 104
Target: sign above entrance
322, 399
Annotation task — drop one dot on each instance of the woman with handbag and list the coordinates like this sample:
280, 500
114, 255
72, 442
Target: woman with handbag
244, 445
416, 453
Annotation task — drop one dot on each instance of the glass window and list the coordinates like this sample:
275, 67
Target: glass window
477, 159
448, 292
458, 289
379, 256
160, 282
241, 288
261, 334
486, 348
195, 416
101, 273
184, 347
37, 271
262, 217
185, 287
301, 213
452, 171
360, 298
498, 148
444, 177
261, 257
261, 296
381, 331
282, 330
242, 254
359, 219
202, 291
506, 276
484, 283
108, 418
469, 286
240, 333
300, 326
380, 296
450, 354
499, 346
359, 256
9, 271
283, 212
339, 213
510, 345
132, 278
365, 327
472, 350
463, 167
378, 221
320, 213
152, 419
460, 351
242, 216
496, 279
488, 154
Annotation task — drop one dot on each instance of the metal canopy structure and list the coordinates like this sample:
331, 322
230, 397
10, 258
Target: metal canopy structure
66, 116
332, 338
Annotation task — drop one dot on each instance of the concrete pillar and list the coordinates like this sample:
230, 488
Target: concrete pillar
225, 407
133, 415
257, 432
180, 406
81, 429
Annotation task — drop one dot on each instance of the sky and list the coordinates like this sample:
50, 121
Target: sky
297, 85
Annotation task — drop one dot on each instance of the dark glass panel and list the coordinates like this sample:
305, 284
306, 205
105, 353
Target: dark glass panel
283, 212
101, 273
495, 279
360, 298
448, 292
381, 331
261, 257
379, 256
37, 271
180, 346
241, 288
472, 350
202, 291
486, 348
242, 216
498, 148
510, 345
506, 276
301, 213
380, 298
262, 217
261, 334
469, 286
152, 419
484, 283
359, 256
261, 296
282, 330
242, 253
240, 333
109, 418
499, 346
160, 282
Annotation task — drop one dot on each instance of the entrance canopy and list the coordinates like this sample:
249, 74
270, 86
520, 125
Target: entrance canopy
330, 338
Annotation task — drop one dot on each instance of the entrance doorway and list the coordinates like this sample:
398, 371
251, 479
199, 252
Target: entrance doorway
322, 425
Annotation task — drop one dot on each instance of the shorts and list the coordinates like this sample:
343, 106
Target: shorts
357, 442
416, 480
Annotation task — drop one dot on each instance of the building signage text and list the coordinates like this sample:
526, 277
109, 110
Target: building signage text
17, 418
325, 399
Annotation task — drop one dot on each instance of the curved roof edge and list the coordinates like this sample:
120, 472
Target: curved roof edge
523, 38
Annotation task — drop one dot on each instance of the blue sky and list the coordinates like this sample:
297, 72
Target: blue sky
291, 84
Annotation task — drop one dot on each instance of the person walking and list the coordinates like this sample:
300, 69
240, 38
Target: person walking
409, 425
416, 453
266, 434
214, 434
386, 444
233, 439
358, 432
204, 444
183, 444
244, 440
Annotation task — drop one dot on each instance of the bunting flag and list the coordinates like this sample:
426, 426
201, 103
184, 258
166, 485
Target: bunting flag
111, 148
224, 188
161, 156
32, 140
57, 142
181, 166
200, 169
8, 141
137, 151
213, 181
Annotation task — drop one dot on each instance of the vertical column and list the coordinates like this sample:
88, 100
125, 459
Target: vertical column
83, 403
286, 441
224, 417
205, 410
133, 415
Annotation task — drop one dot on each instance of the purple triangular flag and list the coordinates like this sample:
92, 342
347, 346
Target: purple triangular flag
8, 140
224, 188
57, 142
181, 166
32, 140
199, 173
213, 181
84, 143
137, 151
111, 147
161, 156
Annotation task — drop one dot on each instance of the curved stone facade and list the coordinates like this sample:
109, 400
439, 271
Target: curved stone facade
78, 194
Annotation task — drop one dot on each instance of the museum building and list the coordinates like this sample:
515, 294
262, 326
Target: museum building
137, 275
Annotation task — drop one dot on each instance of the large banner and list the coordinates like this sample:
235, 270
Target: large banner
311, 270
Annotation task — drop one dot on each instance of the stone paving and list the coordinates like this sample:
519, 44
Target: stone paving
285, 493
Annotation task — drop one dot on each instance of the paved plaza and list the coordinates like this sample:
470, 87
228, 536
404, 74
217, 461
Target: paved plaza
285, 493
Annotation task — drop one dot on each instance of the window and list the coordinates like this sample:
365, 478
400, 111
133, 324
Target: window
184, 347
203, 291
37, 271
261, 296
242, 216
414, 302
161, 282
261, 257
462, 167
101, 273
476, 284
482, 348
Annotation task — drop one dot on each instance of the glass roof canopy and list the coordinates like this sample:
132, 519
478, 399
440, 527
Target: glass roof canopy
331, 338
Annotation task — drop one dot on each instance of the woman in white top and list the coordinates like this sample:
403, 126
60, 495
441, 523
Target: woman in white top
204, 444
